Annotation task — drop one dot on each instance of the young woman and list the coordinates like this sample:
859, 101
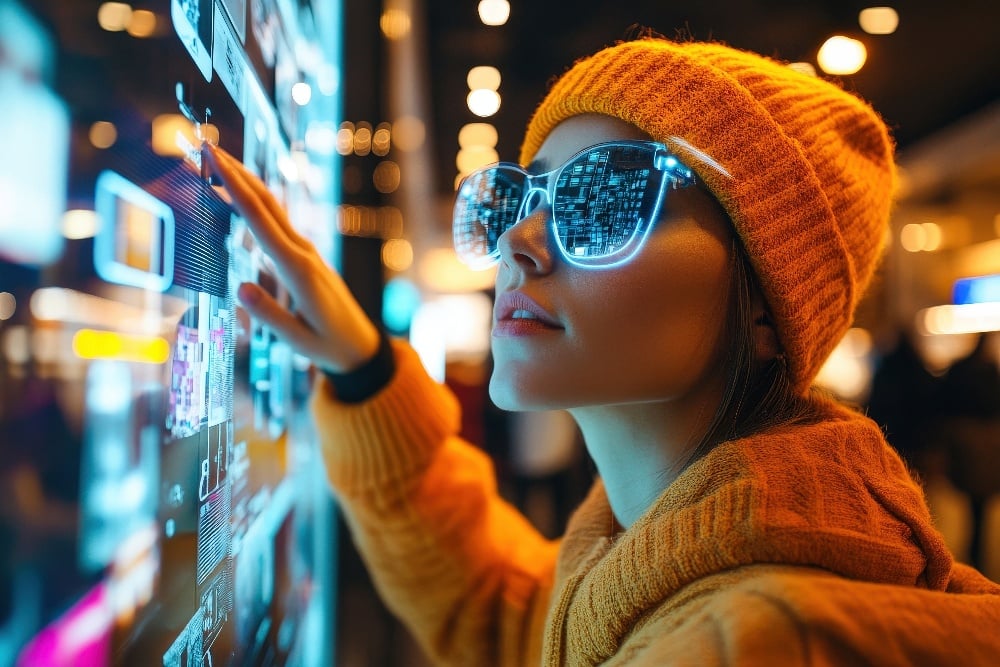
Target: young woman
686, 241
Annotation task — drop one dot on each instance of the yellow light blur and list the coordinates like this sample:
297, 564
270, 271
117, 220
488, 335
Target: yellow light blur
483, 76
397, 254
841, 55
166, 128
847, 371
934, 236
208, 132
477, 134
483, 102
345, 138
912, 237
803, 68
386, 176
94, 344
472, 158
8, 304
103, 134
926, 236
395, 23
301, 93
381, 140
878, 20
408, 133
79, 224
142, 23
114, 16
494, 12
959, 319
441, 271
363, 139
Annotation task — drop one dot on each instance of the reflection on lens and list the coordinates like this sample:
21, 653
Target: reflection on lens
600, 200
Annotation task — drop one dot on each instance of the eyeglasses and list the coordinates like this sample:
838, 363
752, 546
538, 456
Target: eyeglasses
604, 200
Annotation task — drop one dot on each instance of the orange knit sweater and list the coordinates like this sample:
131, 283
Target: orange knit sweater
810, 545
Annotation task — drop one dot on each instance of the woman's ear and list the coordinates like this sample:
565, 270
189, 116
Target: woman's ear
765, 334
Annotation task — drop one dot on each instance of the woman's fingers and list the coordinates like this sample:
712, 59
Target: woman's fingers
264, 195
264, 215
285, 324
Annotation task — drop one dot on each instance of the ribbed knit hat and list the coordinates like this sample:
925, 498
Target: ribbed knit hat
812, 169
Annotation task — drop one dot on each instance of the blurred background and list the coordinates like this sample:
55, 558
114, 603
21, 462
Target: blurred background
363, 117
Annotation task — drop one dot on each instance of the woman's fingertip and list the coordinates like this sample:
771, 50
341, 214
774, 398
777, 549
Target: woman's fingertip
248, 293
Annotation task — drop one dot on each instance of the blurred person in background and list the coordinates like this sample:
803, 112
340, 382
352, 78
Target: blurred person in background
969, 431
683, 241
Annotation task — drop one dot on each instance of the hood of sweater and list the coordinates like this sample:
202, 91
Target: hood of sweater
830, 495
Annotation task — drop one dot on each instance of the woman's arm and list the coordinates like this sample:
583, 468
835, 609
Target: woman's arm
463, 569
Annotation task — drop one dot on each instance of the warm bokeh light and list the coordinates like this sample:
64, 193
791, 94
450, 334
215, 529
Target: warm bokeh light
397, 254
921, 237
878, 20
169, 131
803, 68
8, 304
142, 23
395, 23
345, 138
103, 134
114, 16
302, 93
381, 140
483, 102
494, 12
959, 319
841, 55
386, 177
363, 139
80, 224
477, 134
848, 370
408, 133
472, 158
483, 76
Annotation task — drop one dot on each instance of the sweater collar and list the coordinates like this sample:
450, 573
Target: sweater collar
830, 495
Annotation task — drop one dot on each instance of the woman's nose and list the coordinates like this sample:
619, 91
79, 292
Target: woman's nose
529, 244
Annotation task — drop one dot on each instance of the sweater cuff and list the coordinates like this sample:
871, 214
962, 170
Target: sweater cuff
365, 381
383, 441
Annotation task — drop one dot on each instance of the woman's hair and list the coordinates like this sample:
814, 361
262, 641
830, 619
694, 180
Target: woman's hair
758, 396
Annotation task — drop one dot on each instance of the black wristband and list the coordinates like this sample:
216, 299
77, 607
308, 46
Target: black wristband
365, 381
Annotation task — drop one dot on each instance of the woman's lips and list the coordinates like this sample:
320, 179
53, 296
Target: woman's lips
516, 314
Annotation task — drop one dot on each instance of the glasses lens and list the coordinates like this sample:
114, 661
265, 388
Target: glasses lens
604, 198
487, 205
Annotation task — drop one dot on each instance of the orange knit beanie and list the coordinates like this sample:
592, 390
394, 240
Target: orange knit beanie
812, 169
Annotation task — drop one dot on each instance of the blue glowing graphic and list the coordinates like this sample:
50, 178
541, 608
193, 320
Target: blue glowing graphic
135, 242
979, 289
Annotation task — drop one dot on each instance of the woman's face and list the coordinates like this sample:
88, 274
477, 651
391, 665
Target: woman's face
647, 330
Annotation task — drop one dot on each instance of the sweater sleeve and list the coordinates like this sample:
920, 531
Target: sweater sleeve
462, 569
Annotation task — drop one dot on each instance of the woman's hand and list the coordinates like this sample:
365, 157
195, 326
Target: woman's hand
328, 325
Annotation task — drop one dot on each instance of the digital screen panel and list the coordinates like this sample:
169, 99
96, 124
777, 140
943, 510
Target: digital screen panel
163, 500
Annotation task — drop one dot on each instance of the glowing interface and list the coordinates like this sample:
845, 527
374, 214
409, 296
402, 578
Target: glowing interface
161, 497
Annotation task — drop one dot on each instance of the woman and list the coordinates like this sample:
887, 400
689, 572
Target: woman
688, 244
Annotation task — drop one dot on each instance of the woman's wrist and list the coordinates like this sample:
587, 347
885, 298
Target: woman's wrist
369, 378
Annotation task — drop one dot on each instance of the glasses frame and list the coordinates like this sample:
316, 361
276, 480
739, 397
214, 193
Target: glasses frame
674, 174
